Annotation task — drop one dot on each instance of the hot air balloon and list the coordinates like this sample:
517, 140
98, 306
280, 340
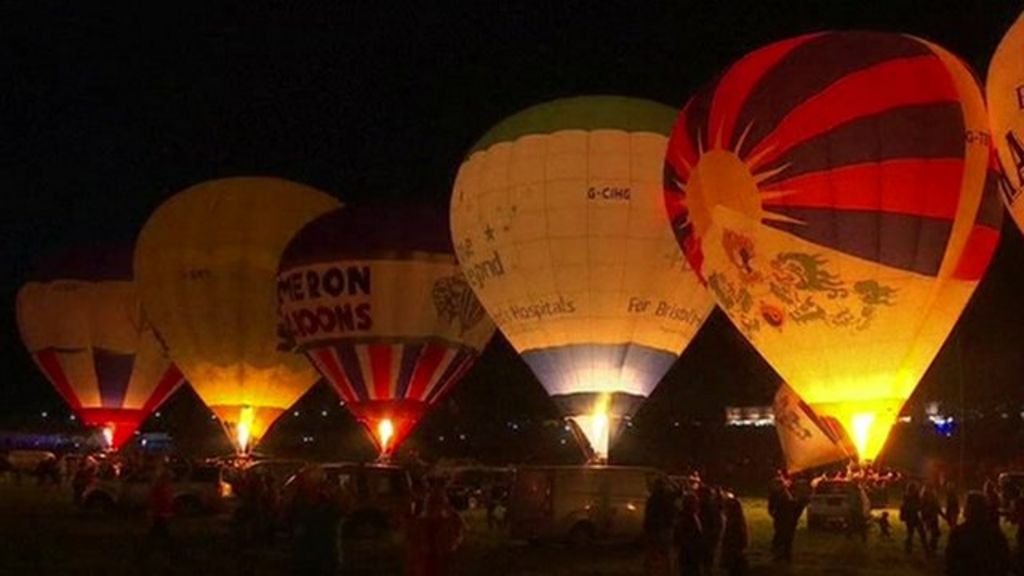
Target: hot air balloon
374, 297
836, 193
559, 225
1005, 93
82, 321
206, 263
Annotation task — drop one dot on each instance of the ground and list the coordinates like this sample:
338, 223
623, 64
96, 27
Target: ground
42, 533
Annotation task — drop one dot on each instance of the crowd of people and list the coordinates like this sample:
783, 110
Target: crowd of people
704, 524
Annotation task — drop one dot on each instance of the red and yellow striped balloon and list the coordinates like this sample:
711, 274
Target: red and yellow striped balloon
835, 192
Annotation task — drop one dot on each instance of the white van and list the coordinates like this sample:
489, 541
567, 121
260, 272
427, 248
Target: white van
580, 503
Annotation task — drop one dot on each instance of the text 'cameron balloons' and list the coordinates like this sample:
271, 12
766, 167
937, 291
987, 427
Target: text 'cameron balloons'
82, 321
559, 225
374, 297
835, 192
1005, 93
206, 263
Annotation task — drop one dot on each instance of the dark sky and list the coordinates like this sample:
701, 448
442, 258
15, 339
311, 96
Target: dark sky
106, 111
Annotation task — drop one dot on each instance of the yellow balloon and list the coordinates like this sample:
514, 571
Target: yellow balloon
206, 264
559, 224
1005, 94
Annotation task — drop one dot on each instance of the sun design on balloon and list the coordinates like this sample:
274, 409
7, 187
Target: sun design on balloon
720, 177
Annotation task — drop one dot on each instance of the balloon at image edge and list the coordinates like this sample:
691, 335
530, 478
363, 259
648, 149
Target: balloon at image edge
838, 194
1004, 90
559, 225
206, 263
81, 320
374, 297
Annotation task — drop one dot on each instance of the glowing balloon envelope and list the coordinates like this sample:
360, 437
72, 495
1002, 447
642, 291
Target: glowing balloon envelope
835, 192
82, 321
558, 222
1005, 93
206, 263
374, 297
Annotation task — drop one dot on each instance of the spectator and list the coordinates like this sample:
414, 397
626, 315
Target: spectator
883, 525
659, 516
952, 506
930, 513
786, 512
710, 514
689, 537
977, 546
994, 502
734, 538
910, 514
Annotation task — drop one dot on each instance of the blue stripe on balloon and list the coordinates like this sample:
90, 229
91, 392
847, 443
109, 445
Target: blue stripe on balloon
449, 372
353, 370
113, 372
559, 368
903, 241
410, 356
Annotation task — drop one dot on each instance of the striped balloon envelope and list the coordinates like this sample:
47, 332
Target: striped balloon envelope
837, 194
558, 221
373, 295
81, 319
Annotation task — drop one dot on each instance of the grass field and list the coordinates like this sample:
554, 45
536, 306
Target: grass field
42, 533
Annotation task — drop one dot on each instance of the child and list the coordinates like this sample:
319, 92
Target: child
883, 525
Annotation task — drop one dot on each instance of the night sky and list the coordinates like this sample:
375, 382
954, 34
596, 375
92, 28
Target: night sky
105, 112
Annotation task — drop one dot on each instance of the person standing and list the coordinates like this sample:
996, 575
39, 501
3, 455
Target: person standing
436, 532
161, 510
734, 538
952, 513
689, 537
910, 514
995, 503
787, 510
930, 512
659, 516
710, 514
977, 546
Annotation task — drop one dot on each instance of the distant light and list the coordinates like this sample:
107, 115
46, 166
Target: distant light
72, 417
45, 414
159, 415
342, 403
676, 424
629, 424
323, 412
296, 413
462, 436
440, 438
144, 442
568, 428
213, 416
562, 441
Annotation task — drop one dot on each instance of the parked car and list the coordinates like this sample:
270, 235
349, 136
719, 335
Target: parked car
196, 490
579, 503
382, 494
832, 501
